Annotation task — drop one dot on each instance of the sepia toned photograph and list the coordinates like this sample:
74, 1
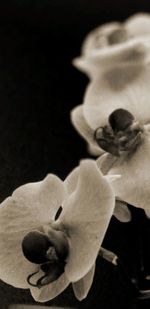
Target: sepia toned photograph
74, 154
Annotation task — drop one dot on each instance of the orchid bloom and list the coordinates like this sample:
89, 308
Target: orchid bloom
116, 58
133, 166
128, 151
44, 252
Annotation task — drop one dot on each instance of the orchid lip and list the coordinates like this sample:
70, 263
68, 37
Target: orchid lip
49, 250
122, 134
52, 271
41, 247
35, 246
29, 279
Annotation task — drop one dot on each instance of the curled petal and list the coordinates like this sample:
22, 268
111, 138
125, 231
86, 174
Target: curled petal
133, 186
79, 122
97, 38
94, 151
86, 216
81, 288
137, 25
105, 162
113, 43
51, 290
128, 53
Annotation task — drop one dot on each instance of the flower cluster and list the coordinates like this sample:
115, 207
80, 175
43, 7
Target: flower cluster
51, 231
115, 115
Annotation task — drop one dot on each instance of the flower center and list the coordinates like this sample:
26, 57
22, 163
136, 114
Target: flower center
49, 250
122, 134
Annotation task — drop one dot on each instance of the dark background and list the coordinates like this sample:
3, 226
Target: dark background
38, 88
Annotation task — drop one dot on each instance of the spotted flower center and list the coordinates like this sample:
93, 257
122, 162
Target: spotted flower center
49, 251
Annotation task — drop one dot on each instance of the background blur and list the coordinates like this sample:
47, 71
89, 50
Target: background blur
38, 88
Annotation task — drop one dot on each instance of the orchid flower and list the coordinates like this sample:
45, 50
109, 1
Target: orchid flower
43, 249
132, 163
119, 72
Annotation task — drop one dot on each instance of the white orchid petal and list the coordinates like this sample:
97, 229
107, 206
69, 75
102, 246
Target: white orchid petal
131, 52
94, 151
71, 182
14, 268
133, 186
147, 211
119, 88
51, 290
30, 207
43, 198
86, 216
96, 39
126, 52
81, 288
79, 122
138, 24
105, 162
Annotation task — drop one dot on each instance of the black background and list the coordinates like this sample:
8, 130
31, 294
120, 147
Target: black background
38, 88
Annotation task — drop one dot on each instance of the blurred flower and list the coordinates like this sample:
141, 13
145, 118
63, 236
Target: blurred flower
116, 58
43, 251
115, 42
112, 33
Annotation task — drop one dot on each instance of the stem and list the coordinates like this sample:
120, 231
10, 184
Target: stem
114, 259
